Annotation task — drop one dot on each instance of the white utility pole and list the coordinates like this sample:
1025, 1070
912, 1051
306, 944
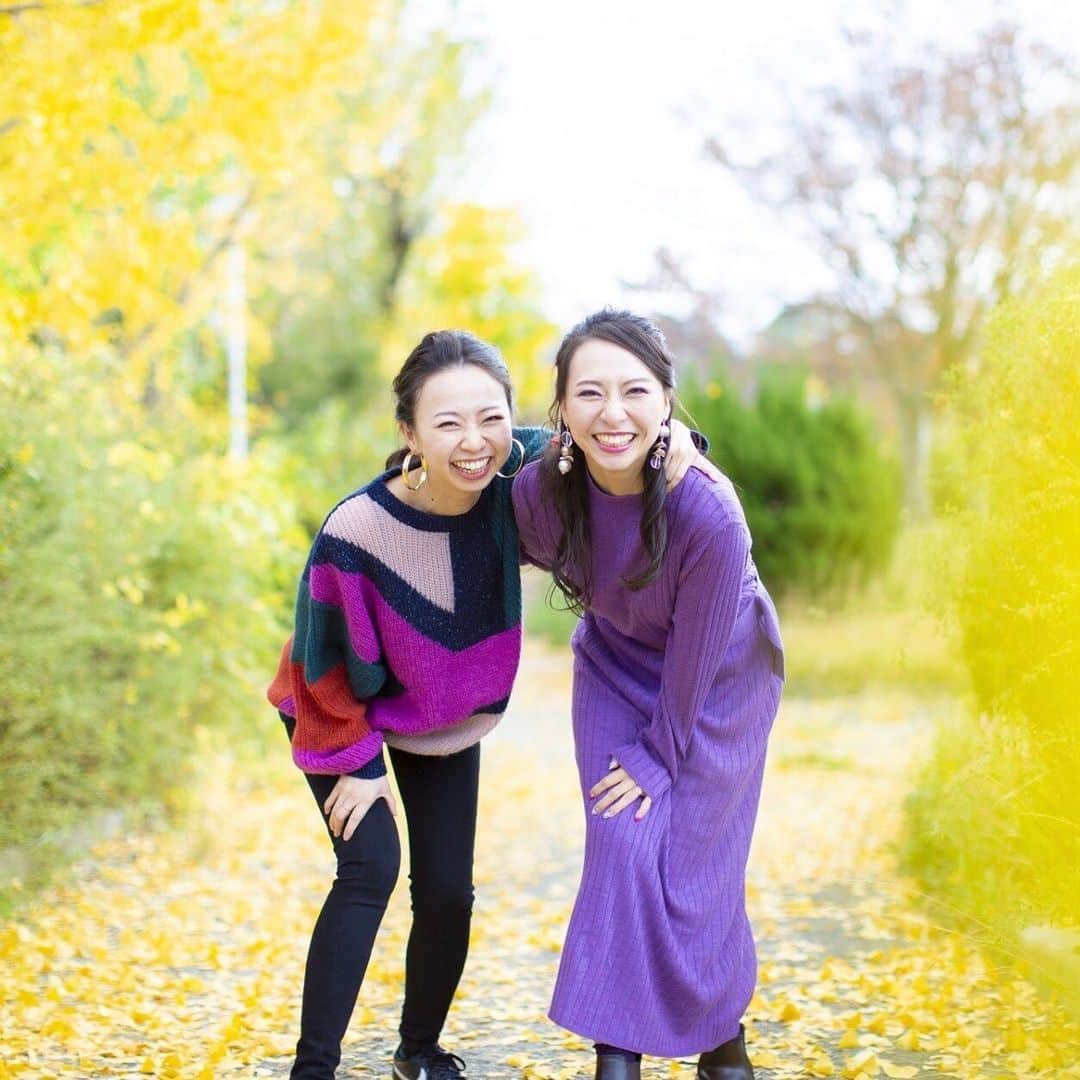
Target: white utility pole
236, 343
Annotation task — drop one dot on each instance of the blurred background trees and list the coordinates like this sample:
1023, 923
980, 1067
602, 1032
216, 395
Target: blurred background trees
176, 176
932, 187
994, 824
155, 156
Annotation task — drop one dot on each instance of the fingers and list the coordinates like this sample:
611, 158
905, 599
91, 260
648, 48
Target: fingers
618, 798
628, 799
332, 798
342, 814
616, 776
356, 815
646, 805
351, 799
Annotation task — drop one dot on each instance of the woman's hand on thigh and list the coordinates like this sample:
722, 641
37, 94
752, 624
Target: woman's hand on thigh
351, 799
616, 792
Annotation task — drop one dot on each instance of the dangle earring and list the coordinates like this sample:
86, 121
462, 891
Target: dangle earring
659, 450
566, 449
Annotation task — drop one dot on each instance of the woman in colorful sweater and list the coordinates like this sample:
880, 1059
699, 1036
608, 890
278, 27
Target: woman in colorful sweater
678, 668
408, 634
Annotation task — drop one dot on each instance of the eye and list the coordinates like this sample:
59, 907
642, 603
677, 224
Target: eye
638, 390
495, 419
446, 425
588, 393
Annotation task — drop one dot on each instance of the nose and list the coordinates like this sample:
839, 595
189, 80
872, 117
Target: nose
472, 438
614, 410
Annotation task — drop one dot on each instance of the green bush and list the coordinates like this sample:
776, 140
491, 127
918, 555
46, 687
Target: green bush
821, 498
994, 826
143, 590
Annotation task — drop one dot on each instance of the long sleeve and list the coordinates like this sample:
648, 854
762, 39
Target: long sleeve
328, 669
706, 606
535, 520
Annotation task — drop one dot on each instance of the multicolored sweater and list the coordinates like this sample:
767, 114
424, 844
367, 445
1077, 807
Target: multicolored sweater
408, 628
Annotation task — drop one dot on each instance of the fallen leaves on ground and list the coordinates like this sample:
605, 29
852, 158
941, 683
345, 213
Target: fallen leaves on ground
180, 955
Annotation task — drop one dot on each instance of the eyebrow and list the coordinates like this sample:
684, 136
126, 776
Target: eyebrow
625, 382
482, 409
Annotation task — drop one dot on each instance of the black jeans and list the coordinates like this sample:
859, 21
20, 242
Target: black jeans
438, 796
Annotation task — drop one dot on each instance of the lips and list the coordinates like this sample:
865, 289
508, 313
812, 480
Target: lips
472, 468
614, 442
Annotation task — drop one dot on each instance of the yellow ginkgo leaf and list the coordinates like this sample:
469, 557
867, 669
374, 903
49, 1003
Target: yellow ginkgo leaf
899, 1072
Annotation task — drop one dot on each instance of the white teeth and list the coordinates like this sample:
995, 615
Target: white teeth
613, 440
472, 466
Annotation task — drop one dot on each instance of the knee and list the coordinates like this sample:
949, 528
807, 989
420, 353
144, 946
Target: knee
450, 898
369, 868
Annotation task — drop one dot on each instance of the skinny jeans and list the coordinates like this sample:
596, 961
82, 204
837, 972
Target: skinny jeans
439, 799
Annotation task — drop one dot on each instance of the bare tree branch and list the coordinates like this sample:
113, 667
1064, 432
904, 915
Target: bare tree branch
931, 190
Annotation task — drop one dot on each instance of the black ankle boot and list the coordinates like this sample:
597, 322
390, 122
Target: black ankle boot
727, 1062
617, 1067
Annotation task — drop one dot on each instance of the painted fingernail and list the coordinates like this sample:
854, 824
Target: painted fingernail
608, 814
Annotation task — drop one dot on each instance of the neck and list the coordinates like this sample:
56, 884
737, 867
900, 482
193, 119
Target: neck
624, 482
432, 499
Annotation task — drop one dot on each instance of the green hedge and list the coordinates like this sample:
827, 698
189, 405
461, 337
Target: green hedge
143, 589
821, 497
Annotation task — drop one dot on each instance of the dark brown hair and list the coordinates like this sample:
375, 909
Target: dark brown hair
570, 493
437, 351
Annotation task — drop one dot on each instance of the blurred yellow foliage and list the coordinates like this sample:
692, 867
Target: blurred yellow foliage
132, 133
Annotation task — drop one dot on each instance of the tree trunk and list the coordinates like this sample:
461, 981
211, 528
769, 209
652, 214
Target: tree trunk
916, 434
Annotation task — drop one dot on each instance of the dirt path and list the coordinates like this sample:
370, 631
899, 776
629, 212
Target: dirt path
180, 956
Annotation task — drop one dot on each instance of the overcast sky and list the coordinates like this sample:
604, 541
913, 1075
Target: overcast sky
599, 115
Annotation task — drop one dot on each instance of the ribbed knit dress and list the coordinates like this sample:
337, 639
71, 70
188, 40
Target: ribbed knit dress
680, 683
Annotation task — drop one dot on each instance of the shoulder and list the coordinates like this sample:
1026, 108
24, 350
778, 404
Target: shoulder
356, 516
700, 504
527, 483
536, 516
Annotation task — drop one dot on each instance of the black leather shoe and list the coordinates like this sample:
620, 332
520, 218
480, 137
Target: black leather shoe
617, 1067
727, 1062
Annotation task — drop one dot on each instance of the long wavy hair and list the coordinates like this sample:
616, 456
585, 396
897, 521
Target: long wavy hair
437, 351
570, 492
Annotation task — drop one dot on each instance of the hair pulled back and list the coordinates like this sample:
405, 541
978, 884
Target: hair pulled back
439, 351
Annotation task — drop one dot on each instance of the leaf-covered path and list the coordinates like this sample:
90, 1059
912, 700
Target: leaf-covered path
180, 955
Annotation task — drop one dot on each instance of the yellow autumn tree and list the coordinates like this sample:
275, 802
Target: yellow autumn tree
463, 275
141, 572
135, 137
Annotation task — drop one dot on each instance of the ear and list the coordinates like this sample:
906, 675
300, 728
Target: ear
409, 437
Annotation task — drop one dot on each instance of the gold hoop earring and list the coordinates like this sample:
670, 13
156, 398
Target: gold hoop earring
521, 447
406, 468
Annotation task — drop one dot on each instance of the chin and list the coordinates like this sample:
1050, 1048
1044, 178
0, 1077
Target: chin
616, 466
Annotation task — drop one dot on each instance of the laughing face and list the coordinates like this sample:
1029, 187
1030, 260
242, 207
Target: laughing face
614, 406
462, 430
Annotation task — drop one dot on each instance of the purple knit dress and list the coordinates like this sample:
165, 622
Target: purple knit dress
680, 682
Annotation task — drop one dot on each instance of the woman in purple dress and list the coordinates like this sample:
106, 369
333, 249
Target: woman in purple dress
678, 669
